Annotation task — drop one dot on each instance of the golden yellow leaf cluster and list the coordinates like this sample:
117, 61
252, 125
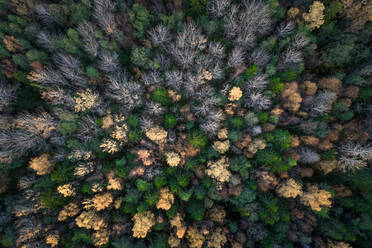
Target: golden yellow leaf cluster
173, 241
218, 170
221, 146
66, 190
99, 202
114, 182
173, 159
332, 244
217, 238
110, 146
205, 76
179, 225
69, 210
255, 145
101, 237
41, 165
289, 189
166, 199
157, 134
195, 238
222, 134
315, 18
90, 220
291, 98
52, 239
217, 214
327, 166
316, 198
143, 222
85, 100
358, 12
235, 94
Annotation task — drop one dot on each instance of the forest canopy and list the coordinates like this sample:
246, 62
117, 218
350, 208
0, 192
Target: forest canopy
185, 123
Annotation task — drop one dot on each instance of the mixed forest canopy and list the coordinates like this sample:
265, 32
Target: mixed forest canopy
185, 123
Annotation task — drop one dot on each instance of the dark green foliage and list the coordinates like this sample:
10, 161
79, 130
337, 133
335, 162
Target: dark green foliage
76, 238
196, 210
236, 122
170, 121
335, 229
250, 72
34, 55
361, 180
329, 154
276, 9
173, 21
44, 183
121, 167
271, 211
128, 242
247, 196
355, 79
140, 56
274, 160
65, 44
86, 188
241, 165
133, 121
346, 116
140, 18
160, 95
339, 52
79, 12
67, 127
200, 193
92, 72
233, 227
197, 139
196, 7
72, 144
341, 111
28, 98
174, 186
142, 206
81, 236
160, 181
235, 135
62, 173
288, 76
8, 238
52, 200
365, 94
160, 241
331, 11
3, 52
282, 140
21, 61
172, 211
268, 157
183, 179
151, 198
276, 85
185, 195
132, 196
134, 136
142, 185
273, 119
211, 153
263, 117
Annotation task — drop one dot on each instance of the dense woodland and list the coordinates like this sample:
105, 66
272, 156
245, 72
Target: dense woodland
185, 123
